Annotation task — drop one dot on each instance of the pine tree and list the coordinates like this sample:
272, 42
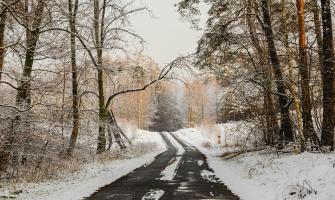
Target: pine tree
167, 116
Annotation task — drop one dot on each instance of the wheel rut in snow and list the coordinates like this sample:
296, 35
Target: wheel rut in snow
193, 179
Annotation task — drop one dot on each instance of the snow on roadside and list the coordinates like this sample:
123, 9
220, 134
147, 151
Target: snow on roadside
264, 175
93, 176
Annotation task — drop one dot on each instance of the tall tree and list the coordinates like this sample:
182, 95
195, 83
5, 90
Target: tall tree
308, 129
3, 18
286, 130
269, 108
99, 26
32, 27
327, 135
291, 75
318, 32
73, 9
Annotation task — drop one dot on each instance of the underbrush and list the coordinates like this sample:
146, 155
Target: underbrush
135, 150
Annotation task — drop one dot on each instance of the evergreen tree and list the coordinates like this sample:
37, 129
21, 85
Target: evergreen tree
167, 116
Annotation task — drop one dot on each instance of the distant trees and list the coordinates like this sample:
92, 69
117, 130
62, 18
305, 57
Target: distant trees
135, 108
201, 98
167, 116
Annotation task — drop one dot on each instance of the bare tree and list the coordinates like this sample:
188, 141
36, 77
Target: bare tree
73, 9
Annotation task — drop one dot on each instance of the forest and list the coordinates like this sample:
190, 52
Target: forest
77, 87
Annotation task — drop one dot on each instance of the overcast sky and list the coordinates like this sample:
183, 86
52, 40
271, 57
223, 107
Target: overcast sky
166, 35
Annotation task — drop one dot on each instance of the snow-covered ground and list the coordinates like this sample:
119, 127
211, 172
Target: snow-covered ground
264, 174
91, 177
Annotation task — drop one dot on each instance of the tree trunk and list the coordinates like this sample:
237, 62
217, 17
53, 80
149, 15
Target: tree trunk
308, 128
24, 91
327, 135
292, 87
102, 112
3, 17
270, 114
75, 96
286, 129
318, 33
117, 131
20, 133
98, 31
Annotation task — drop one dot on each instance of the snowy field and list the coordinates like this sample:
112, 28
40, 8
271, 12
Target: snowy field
91, 177
266, 175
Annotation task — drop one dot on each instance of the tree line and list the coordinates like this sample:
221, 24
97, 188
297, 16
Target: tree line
59, 70
277, 57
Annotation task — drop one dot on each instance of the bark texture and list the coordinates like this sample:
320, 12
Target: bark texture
327, 135
308, 129
73, 8
286, 129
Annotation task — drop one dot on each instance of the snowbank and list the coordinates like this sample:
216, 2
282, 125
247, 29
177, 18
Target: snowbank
91, 177
265, 175
256, 176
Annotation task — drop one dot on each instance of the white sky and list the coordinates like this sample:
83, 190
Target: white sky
167, 36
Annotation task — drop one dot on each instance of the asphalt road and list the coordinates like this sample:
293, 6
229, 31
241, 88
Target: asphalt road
193, 180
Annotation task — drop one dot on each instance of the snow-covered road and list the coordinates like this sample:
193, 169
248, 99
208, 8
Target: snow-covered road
181, 172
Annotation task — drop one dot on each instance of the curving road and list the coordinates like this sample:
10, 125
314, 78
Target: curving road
193, 179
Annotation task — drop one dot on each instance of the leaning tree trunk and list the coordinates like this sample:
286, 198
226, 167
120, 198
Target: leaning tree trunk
116, 131
73, 8
286, 130
327, 135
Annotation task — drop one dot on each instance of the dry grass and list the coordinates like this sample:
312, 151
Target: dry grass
54, 167
132, 151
